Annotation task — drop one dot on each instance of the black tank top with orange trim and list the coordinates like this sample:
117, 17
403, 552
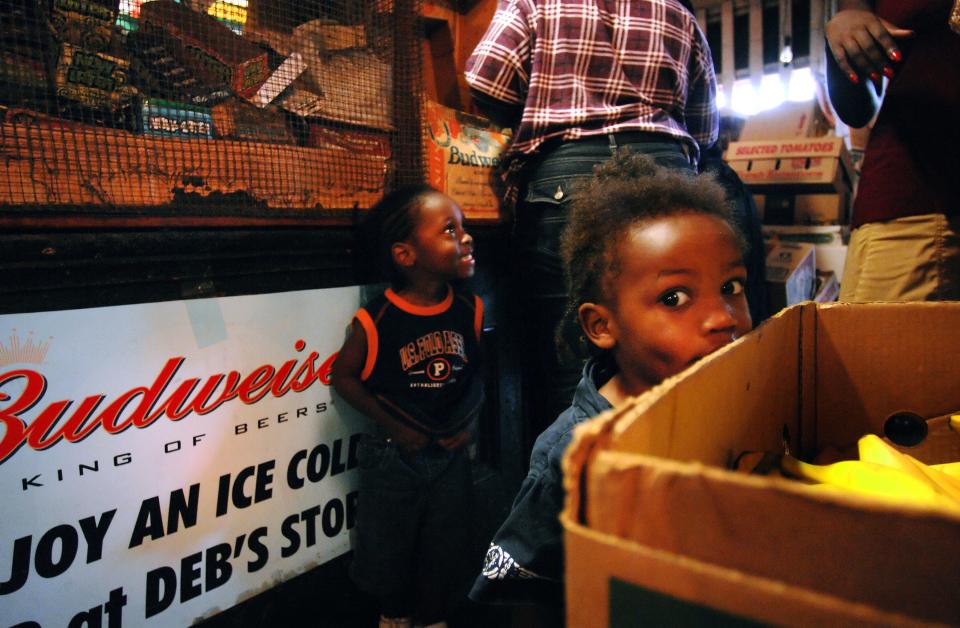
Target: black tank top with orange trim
422, 362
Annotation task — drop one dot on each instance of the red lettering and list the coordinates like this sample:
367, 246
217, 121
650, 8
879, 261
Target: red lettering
260, 379
38, 432
176, 407
280, 384
229, 392
15, 432
74, 429
325, 373
42, 432
299, 384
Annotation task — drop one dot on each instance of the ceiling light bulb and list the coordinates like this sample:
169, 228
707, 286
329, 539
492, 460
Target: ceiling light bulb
786, 53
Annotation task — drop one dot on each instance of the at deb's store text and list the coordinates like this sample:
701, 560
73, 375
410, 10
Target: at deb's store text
53, 553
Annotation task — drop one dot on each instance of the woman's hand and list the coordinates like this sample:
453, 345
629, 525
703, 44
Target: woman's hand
864, 44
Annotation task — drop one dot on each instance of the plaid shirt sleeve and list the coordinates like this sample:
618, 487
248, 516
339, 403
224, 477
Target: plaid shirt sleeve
499, 67
701, 113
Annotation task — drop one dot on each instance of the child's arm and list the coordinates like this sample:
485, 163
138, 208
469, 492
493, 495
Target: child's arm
346, 381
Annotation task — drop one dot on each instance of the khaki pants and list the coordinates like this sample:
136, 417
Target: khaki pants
916, 258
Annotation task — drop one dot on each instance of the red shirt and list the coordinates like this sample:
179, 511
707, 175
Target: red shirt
912, 161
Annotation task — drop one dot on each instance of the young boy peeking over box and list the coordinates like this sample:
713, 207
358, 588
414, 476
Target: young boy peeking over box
656, 279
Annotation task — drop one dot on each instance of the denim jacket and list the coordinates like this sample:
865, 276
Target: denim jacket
524, 563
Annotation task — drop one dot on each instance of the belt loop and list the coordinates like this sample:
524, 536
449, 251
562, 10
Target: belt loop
612, 138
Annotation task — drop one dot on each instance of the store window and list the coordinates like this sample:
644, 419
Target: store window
741, 39
714, 32
207, 107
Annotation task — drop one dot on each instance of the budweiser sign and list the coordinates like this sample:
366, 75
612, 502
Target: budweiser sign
141, 406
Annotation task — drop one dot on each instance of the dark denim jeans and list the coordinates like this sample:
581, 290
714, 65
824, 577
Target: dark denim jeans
548, 379
414, 518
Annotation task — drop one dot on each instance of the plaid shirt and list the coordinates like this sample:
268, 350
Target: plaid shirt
592, 67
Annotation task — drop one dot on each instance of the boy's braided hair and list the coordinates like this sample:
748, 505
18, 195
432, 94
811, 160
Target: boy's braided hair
392, 219
626, 190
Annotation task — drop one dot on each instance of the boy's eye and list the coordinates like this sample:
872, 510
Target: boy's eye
674, 298
734, 286
451, 229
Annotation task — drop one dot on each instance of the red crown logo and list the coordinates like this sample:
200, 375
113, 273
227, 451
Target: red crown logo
23, 350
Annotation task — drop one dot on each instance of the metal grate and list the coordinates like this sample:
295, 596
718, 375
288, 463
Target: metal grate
195, 107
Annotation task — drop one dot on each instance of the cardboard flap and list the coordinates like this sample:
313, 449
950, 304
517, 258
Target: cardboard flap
713, 423
835, 543
876, 359
662, 512
596, 561
588, 437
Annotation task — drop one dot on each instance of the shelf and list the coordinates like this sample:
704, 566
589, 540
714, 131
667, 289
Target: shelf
46, 165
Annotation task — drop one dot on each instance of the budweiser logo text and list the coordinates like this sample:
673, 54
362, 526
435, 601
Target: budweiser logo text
56, 422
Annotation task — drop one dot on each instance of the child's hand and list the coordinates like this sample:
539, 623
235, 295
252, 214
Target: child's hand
409, 440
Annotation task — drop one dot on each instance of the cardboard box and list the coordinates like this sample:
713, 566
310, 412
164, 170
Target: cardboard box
350, 86
791, 274
790, 120
657, 528
93, 79
200, 41
832, 258
831, 252
240, 120
799, 166
89, 31
157, 71
173, 119
804, 209
828, 287
821, 235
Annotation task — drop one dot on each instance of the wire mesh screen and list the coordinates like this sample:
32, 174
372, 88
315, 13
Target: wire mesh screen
303, 107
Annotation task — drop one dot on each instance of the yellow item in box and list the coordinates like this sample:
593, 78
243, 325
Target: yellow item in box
657, 528
805, 165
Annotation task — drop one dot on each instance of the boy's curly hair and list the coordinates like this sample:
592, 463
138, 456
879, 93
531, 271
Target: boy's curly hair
626, 190
392, 219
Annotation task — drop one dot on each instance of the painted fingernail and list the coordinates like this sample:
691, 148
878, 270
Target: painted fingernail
854, 78
874, 76
888, 72
895, 54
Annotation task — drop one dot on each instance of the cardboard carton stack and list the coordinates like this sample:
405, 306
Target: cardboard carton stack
801, 176
660, 531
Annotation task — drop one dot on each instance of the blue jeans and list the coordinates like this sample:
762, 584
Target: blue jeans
413, 527
549, 379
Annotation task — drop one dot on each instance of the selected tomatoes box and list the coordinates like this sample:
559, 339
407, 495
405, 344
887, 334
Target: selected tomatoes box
658, 530
804, 165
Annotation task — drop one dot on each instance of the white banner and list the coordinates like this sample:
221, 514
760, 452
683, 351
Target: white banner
162, 462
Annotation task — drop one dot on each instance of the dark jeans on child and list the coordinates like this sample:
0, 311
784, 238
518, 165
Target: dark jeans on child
413, 527
548, 380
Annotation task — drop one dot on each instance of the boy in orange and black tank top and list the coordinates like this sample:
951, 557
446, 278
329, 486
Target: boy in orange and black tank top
410, 363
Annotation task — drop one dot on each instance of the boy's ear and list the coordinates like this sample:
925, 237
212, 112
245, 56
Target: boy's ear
403, 254
596, 324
